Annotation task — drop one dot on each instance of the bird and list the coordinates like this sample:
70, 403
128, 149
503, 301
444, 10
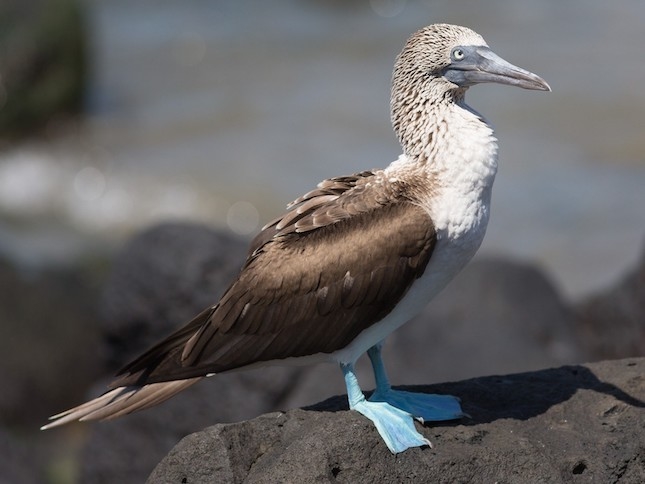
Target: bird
355, 258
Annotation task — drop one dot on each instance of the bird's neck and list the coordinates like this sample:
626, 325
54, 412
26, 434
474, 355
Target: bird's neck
450, 148
433, 125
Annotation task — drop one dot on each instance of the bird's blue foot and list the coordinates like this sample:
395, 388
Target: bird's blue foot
424, 407
395, 426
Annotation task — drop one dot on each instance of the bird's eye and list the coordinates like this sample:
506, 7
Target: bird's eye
458, 54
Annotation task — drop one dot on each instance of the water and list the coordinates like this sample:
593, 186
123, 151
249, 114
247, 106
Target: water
224, 111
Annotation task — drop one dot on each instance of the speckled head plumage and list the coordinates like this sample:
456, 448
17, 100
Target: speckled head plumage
428, 51
436, 66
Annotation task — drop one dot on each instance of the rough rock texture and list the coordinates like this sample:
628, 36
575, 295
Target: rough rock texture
611, 324
571, 424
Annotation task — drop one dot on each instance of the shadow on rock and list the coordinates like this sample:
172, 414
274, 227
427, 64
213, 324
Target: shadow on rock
519, 396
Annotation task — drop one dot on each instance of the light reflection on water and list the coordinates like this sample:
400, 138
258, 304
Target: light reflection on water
224, 111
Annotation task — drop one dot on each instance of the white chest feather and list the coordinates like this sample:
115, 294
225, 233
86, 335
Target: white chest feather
463, 176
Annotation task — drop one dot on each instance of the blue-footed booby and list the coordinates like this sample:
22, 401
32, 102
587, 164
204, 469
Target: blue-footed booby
352, 260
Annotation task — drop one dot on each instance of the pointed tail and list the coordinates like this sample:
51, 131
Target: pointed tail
121, 401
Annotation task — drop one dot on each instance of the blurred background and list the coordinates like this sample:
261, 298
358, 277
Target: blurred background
118, 115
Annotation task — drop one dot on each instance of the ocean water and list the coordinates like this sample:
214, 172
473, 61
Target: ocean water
224, 111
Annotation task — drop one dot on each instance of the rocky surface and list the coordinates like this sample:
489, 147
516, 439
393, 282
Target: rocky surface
571, 424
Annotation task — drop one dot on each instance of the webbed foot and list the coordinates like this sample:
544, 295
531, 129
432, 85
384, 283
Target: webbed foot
425, 407
395, 426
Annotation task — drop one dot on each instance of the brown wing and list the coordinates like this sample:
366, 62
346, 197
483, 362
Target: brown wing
337, 262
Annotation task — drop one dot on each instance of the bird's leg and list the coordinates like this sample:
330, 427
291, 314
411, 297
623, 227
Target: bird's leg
422, 406
395, 426
380, 375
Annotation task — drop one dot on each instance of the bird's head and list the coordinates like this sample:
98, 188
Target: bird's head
453, 57
440, 62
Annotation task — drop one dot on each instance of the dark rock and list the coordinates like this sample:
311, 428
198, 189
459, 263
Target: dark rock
162, 278
611, 324
570, 424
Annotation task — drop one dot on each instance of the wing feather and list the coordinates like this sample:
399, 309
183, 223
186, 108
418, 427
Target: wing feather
338, 261
297, 288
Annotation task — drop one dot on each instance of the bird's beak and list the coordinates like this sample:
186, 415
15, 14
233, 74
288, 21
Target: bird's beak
480, 64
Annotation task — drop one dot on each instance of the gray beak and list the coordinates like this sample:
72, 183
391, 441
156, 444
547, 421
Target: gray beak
479, 64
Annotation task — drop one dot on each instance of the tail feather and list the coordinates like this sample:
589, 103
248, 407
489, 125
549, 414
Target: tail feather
121, 401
